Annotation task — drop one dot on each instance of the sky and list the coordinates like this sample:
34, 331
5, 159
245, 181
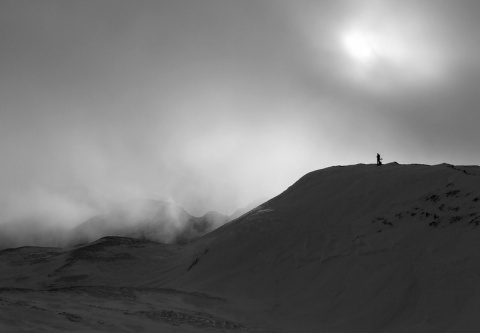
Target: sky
212, 104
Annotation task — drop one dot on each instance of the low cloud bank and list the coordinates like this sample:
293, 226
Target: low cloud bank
155, 220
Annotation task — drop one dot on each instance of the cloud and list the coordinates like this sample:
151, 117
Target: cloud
217, 103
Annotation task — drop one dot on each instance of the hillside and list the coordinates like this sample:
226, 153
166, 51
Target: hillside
345, 249
358, 247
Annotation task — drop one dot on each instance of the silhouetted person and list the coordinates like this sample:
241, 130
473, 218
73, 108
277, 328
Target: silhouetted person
379, 159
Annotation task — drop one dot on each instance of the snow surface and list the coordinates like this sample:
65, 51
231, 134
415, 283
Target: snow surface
345, 249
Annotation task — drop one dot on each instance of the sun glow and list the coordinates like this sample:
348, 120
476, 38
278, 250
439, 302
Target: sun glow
367, 46
361, 46
381, 56
379, 46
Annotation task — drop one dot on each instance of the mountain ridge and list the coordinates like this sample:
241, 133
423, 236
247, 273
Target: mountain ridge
342, 217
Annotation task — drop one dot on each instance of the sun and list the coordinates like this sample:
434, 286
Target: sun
382, 51
361, 46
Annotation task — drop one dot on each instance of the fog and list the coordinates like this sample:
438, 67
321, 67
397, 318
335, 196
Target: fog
213, 104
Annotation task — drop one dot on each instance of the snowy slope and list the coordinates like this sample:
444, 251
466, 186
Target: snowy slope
359, 248
345, 249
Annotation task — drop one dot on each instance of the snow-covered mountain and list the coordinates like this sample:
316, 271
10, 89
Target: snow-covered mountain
357, 249
148, 219
345, 249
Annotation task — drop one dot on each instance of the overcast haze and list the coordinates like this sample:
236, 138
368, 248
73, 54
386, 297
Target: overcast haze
214, 104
